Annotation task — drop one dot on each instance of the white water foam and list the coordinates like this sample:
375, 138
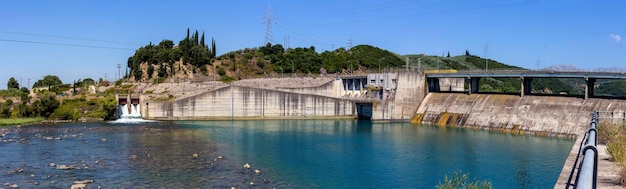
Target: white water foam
129, 118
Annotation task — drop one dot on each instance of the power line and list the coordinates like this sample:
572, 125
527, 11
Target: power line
64, 44
443, 12
66, 37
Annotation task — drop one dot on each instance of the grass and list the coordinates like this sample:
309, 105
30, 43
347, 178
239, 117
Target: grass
614, 137
19, 121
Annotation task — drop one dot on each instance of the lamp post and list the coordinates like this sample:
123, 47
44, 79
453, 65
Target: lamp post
548, 53
379, 64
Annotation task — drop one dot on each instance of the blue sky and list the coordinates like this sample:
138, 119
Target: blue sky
79, 39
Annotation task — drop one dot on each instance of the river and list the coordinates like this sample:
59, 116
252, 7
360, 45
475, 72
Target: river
287, 154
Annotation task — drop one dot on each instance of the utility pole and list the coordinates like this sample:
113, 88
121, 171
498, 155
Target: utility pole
105, 76
538, 64
419, 64
118, 71
438, 64
379, 64
28, 87
268, 25
548, 52
486, 59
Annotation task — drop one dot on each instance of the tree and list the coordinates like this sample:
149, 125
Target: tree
213, 48
48, 81
166, 44
88, 81
202, 40
150, 71
467, 53
13, 84
196, 38
162, 70
448, 54
46, 105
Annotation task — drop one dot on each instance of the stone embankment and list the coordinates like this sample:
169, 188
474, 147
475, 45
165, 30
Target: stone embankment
541, 115
284, 83
177, 90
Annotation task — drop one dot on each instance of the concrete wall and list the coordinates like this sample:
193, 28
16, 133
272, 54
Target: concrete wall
234, 102
452, 84
543, 115
409, 93
330, 89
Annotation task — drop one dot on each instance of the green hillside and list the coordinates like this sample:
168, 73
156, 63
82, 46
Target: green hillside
500, 85
193, 58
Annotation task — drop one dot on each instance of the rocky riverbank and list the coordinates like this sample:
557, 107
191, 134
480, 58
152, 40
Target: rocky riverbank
62, 156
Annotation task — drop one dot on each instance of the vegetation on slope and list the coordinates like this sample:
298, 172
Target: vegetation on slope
60, 102
193, 56
614, 136
612, 88
470, 62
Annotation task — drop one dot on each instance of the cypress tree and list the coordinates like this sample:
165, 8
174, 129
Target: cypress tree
213, 51
202, 40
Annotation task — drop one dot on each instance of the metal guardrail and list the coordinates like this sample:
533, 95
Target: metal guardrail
588, 168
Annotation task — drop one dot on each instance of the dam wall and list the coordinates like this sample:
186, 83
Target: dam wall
542, 115
237, 102
330, 89
409, 93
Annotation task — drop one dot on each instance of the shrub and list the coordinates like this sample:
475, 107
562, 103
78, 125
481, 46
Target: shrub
227, 79
66, 113
461, 180
221, 71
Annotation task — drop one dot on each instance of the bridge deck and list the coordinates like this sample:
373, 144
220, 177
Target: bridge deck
530, 74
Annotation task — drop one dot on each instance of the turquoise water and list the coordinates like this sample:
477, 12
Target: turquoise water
288, 154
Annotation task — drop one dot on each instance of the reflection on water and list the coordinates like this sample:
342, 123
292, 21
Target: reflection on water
289, 153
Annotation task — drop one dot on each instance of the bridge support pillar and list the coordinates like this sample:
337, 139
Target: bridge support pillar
589, 87
433, 85
526, 87
474, 85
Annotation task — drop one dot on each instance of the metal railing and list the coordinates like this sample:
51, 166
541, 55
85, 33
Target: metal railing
588, 168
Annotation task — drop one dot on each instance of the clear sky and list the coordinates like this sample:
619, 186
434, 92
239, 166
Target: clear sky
79, 39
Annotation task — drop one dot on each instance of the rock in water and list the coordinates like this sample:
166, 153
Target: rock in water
247, 166
83, 182
65, 167
78, 186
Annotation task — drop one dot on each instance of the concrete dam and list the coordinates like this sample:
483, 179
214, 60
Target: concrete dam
400, 96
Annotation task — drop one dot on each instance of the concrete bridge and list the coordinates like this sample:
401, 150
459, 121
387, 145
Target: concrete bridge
526, 77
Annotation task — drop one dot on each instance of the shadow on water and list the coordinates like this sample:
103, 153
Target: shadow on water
364, 127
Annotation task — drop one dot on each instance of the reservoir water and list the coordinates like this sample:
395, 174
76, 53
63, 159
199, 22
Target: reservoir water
288, 154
